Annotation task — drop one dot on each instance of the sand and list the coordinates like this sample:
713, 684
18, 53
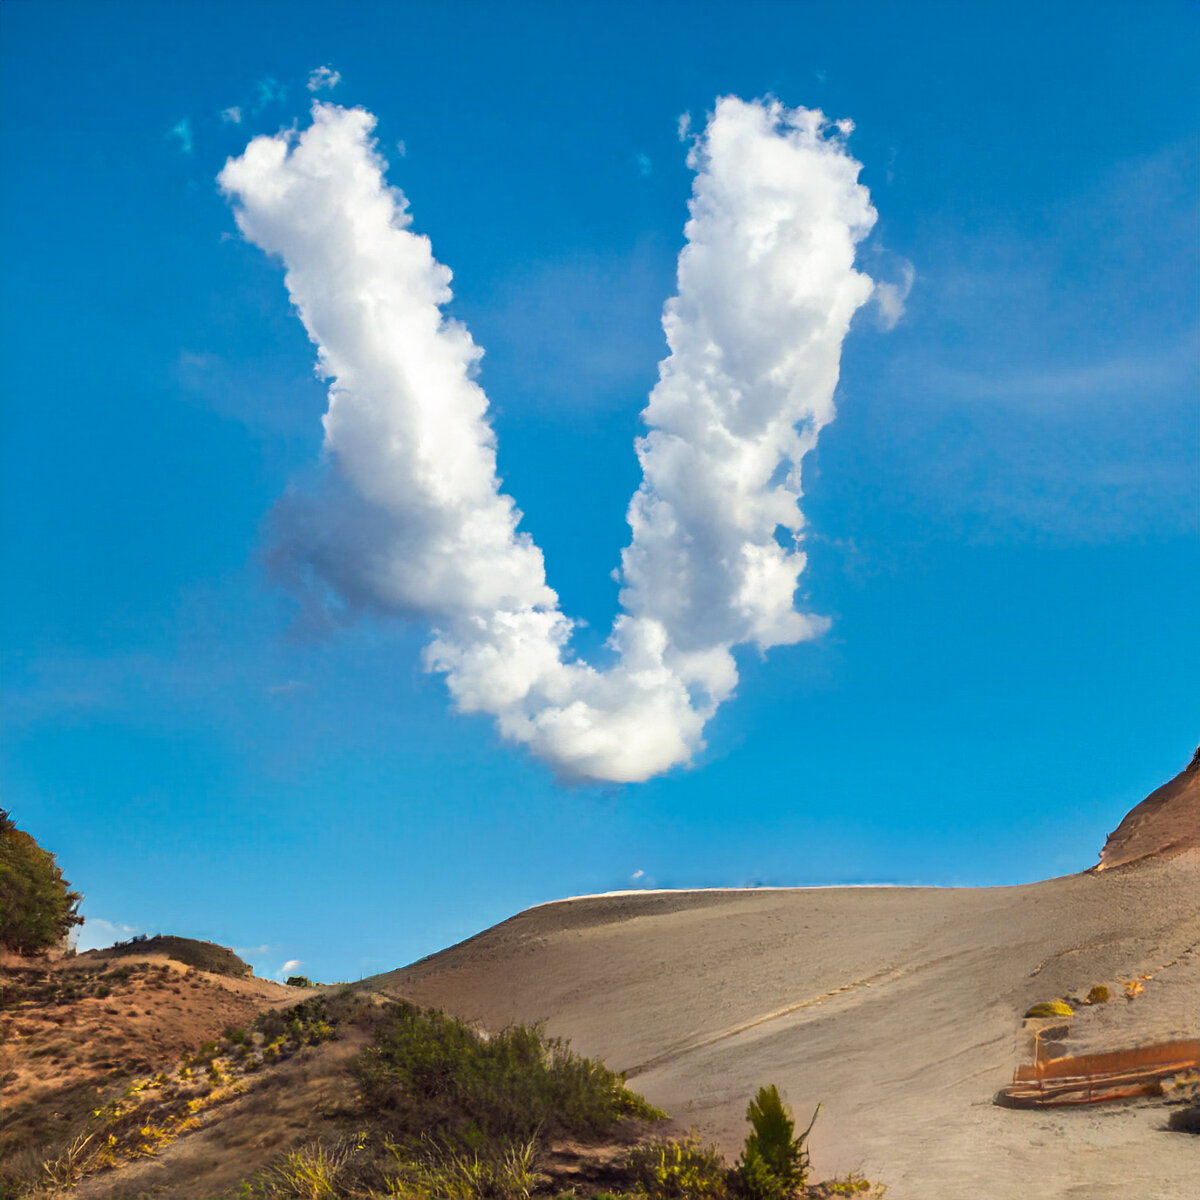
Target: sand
898, 1009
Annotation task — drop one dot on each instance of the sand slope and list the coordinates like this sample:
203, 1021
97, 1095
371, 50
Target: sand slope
897, 1008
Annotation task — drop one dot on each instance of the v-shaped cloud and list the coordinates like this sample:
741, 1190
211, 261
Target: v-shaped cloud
411, 519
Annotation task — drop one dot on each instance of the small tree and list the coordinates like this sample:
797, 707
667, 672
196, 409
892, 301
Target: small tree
37, 907
299, 981
774, 1163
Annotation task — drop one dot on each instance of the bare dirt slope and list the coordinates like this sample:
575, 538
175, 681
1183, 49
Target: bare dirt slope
899, 1009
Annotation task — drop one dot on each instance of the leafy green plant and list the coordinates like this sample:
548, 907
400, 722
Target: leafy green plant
774, 1162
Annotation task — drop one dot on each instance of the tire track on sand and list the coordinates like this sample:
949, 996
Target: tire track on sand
721, 1035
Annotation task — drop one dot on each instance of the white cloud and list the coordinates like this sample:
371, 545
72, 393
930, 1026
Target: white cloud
890, 297
409, 517
637, 874
684, 126
323, 77
251, 951
96, 933
232, 115
182, 132
645, 165
292, 964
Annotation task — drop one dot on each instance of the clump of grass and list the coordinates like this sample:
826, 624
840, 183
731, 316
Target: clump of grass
679, 1170
1099, 995
852, 1185
307, 1173
428, 1074
505, 1172
1050, 1008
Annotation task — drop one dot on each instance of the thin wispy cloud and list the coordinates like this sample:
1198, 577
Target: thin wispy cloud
232, 115
645, 165
181, 131
323, 78
251, 951
410, 518
890, 297
268, 91
286, 689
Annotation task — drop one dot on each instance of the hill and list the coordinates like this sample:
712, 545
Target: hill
900, 1010
897, 1008
204, 956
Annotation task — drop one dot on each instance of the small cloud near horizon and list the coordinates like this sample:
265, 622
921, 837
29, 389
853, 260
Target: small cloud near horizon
96, 933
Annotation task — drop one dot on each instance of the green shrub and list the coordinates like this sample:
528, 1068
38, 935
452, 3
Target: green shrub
1099, 995
774, 1162
37, 907
679, 1170
299, 981
428, 1074
1050, 1008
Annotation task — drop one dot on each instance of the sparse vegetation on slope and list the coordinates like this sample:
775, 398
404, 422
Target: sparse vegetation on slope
441, 1112
204, 956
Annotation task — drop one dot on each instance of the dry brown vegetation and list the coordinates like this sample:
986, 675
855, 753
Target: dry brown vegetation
76, 1032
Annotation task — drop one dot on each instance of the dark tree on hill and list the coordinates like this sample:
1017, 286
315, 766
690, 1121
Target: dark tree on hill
37, 907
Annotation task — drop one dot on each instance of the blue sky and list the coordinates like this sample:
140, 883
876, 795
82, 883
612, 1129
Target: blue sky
1003, 518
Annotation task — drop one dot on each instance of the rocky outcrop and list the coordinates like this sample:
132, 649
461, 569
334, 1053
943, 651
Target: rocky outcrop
1166, 822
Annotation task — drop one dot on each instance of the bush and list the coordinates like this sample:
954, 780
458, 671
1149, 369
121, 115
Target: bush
774, 1162
37, 907
1099, 995
427, 1074
1050, 1008
299, 981
679, 1170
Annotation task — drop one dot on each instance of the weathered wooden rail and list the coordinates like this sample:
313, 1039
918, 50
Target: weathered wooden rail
1094, 1078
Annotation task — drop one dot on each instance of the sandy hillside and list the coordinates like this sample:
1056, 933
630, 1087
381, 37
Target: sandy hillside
899, 1009
75, 1031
